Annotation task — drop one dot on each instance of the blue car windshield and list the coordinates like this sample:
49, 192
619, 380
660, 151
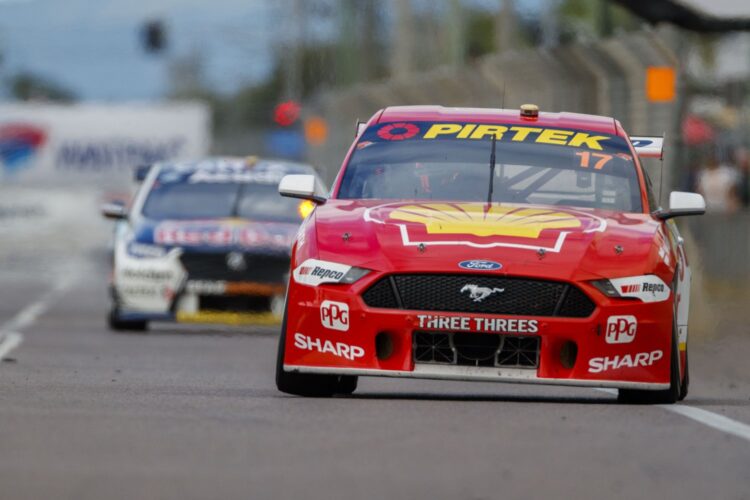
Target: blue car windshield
451, 162
211, 200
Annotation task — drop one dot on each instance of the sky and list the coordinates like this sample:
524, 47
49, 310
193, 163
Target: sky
92, 47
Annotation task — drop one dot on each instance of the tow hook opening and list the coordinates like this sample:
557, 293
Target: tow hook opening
383, 346
568, 354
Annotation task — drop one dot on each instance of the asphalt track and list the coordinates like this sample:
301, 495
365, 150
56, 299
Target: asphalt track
192, 412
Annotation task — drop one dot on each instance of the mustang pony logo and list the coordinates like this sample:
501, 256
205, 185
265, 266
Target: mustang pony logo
479, 293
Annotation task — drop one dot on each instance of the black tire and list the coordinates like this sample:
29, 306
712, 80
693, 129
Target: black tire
309, 384
666, 396
685, 379
120, 325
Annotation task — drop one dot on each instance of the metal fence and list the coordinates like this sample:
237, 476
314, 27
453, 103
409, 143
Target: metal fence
602, 77
605, 77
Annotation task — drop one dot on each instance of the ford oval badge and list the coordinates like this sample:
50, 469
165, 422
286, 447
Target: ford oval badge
480, 265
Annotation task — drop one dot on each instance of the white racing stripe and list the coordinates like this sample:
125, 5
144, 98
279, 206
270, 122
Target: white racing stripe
10, 338
705, 417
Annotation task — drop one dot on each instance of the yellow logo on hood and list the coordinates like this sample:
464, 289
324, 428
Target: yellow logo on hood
480, 220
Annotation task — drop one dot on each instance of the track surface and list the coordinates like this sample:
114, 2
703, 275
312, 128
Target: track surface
193, 413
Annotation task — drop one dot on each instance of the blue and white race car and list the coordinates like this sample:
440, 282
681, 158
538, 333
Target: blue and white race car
205, 242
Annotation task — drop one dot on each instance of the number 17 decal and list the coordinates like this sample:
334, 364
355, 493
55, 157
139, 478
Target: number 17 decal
585, 156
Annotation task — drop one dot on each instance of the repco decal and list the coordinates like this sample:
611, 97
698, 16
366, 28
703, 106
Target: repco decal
314, 272
648, 288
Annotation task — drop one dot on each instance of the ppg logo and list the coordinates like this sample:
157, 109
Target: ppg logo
621, 329
334, 315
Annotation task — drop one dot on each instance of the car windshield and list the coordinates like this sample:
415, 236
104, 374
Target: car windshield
451, 161
208, 200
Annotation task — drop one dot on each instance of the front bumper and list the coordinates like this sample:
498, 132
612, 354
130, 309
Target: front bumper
329, 329
164, 290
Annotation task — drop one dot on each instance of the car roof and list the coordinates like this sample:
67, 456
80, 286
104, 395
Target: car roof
580, 121
257, 165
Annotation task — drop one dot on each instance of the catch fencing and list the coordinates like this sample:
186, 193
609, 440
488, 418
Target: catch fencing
605, 77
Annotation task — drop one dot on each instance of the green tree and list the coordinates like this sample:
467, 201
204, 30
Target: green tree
28, 86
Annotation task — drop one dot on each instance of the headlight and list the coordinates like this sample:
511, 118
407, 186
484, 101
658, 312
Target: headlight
144, 251
647, 288
606, 287
354, 274
314, 272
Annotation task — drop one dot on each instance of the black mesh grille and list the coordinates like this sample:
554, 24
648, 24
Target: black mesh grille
213, 267
479, 294
475, 349
381, 293
576, 305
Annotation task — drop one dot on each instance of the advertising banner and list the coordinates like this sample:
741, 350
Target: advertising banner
97, 144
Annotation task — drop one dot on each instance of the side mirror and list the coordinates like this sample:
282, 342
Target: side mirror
114, 210
304, 186
140, 172
681, 203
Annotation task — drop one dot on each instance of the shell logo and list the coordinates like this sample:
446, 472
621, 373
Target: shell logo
479, 219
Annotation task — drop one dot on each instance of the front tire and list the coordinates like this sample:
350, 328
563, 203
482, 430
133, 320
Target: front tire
309, 384
666, 396
121, 325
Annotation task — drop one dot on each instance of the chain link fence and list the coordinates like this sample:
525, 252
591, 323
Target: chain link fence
605, 77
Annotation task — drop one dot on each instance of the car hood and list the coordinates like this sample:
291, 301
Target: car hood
224, 234
531, 240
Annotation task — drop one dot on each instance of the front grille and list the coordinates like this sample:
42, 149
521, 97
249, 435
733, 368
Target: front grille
478, 294
475, 349
214, 267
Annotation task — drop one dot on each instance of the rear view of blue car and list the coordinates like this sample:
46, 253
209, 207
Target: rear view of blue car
205, 242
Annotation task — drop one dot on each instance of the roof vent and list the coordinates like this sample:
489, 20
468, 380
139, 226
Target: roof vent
529, 111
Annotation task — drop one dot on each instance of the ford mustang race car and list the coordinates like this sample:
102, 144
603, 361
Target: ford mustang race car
493, 245
204, 242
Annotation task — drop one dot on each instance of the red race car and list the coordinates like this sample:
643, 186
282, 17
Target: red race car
494, 245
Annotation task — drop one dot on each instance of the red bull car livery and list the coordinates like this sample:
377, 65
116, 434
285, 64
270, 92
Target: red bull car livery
494, 245
205, 242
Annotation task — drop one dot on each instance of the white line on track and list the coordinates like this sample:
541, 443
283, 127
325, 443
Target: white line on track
711, 419
10, 338
705, 417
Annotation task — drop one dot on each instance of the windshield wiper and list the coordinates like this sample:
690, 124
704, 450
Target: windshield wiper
492, 170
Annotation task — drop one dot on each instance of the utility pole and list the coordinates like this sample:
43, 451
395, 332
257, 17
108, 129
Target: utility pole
402, 58
550, 23
347, 63
294, 24
505, 27
456, 47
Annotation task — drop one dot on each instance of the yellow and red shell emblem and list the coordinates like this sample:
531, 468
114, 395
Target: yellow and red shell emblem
479, 219
483, 225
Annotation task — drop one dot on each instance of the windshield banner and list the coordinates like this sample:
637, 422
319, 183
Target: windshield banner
402, 131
